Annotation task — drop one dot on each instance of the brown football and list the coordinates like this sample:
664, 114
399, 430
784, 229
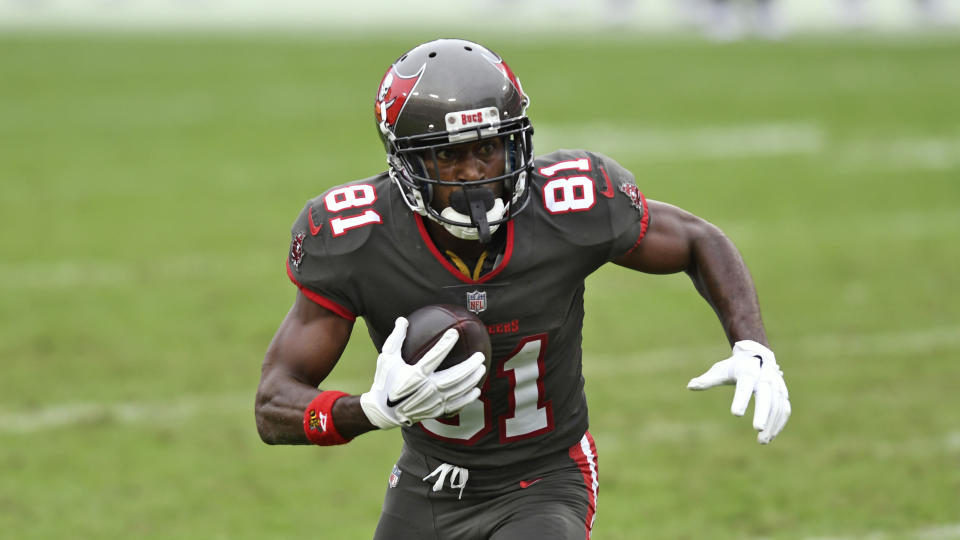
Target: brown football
428, 323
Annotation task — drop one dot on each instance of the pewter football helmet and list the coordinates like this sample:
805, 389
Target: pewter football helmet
448, 92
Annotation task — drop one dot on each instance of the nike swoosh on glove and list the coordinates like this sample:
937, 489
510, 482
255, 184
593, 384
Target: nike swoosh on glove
753, 369
404, 394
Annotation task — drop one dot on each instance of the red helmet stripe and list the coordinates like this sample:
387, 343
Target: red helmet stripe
508, 73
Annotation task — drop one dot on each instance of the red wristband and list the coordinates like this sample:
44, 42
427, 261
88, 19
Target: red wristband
318, 419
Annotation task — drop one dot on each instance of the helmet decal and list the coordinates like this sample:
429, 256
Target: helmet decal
393, 94
507, 72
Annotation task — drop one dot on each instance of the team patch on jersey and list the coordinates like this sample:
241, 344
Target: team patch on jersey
477, 301
633, 192
395, 476
296, 250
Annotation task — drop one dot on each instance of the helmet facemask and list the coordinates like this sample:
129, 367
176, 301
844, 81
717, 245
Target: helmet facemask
475, 211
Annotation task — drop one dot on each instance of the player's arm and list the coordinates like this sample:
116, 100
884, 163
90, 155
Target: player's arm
303, 351
291, 410
677, 241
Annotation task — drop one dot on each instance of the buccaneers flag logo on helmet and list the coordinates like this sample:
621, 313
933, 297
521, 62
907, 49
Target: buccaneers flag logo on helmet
508, 73
394, 91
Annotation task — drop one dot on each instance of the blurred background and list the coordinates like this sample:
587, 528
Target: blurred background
154, 153
720, 19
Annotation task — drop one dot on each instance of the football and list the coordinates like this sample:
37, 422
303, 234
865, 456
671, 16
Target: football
428, 323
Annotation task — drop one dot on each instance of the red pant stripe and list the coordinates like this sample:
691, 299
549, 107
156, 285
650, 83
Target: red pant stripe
584, 454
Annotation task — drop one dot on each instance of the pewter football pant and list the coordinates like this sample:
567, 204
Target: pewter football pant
550, 497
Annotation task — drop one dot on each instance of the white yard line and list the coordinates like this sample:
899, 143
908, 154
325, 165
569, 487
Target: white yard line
701, 142
121, 413
945, 531
901, 153
595, 365
177, 409
889, 151
66, 273
879, 344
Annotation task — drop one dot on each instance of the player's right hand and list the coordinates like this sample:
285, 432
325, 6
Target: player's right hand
404, 394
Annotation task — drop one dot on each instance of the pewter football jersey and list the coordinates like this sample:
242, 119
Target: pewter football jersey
359, 251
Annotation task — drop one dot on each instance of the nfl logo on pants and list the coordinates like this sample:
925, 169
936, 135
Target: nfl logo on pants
395, 476
477, 301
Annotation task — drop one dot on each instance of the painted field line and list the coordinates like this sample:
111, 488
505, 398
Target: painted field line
763, 139
902, 153
710, 142
695, 356
68, 273
946, 531
178, 409
595, 365
122, 413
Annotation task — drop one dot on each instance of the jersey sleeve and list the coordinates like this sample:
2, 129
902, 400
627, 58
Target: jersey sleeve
322, 277
628, 213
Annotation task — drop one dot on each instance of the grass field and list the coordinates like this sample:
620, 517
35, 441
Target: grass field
147, 186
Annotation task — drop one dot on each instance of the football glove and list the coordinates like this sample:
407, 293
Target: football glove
754, 370
404, 394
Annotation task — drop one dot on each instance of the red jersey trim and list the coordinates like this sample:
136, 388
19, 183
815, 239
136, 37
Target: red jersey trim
422, 227
321, 300
644, 223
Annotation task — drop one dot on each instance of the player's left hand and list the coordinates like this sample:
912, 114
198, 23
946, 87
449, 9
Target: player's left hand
753, 368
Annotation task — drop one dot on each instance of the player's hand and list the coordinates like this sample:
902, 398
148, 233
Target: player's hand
753, 368
404, 394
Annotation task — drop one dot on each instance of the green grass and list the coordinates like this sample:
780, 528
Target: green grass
147, 185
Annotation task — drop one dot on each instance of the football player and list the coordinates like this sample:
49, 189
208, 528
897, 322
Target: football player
465, 214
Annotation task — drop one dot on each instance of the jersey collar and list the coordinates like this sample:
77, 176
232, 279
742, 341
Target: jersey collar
507, 253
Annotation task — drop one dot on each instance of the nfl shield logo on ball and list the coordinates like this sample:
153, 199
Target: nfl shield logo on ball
477, 301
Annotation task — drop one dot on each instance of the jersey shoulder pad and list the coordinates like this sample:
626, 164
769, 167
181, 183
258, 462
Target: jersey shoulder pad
344, 217
567, 167
328, 232
592, 197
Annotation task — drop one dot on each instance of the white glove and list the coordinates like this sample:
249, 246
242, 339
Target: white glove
754, 369
405, 394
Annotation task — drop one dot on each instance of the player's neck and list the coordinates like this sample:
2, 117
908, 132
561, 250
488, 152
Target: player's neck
467, 249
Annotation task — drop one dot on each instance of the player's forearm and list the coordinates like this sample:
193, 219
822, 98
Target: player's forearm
350, 418
279, 410
280, 406
722, 278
